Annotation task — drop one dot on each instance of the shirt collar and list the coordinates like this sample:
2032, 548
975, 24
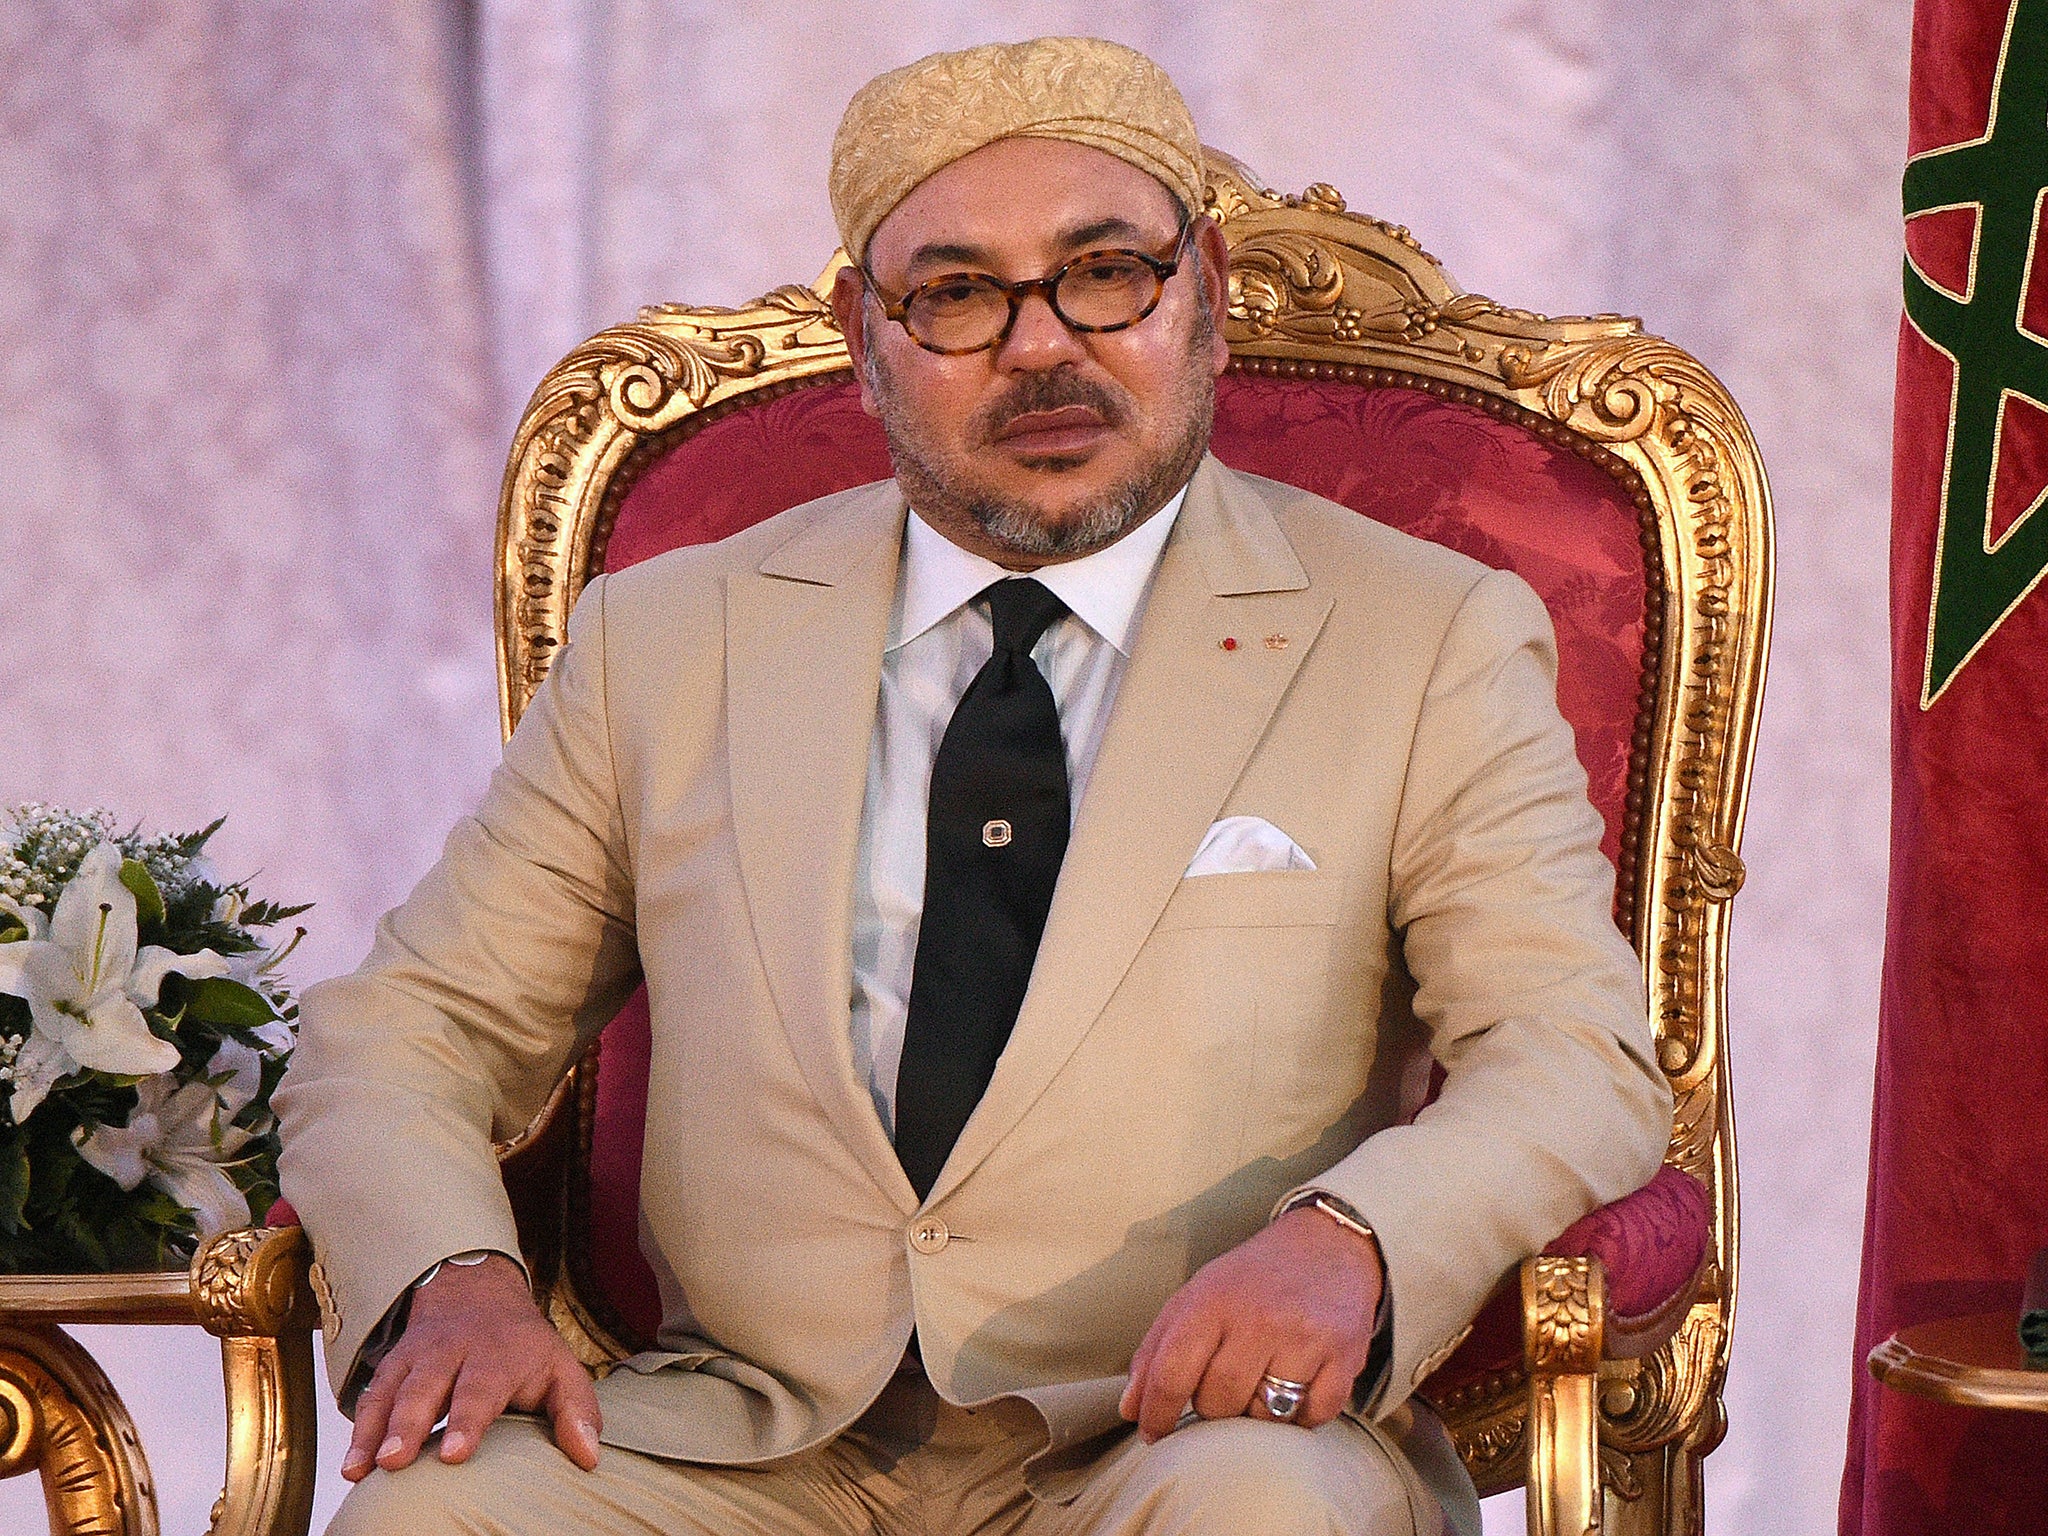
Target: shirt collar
1105, 590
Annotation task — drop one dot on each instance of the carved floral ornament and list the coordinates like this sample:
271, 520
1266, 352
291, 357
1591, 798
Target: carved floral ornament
250, 1283
1563, 1303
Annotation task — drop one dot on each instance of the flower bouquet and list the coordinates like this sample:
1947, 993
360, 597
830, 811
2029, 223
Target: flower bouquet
143, 1027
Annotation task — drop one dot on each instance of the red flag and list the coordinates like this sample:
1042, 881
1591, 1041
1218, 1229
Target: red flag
1959, 1145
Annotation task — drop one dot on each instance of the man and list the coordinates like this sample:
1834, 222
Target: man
1045, 868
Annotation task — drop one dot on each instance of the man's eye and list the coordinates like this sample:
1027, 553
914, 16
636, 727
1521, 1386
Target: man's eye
1109, 272
955, 295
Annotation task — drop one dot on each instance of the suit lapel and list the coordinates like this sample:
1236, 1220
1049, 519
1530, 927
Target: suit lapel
804, 639
1187, 716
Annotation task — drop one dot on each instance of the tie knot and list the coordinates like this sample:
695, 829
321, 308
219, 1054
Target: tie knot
1023, 609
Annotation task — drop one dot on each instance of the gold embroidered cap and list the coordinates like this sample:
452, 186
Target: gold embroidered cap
903, 126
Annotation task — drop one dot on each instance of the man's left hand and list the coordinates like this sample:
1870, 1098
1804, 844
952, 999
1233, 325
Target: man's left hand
1296, 1301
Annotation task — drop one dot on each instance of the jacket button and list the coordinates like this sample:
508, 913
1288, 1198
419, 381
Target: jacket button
929, 1235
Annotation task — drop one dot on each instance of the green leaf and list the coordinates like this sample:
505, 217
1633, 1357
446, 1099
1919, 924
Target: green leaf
261, 914
216, 1000
14, 1183
149, 901
190, 844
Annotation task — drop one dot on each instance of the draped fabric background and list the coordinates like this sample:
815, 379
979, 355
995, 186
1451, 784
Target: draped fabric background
274, 281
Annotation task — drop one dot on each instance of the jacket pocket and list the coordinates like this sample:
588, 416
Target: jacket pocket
1280, 898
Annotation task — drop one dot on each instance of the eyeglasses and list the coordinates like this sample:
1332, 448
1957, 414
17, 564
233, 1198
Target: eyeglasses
961, 312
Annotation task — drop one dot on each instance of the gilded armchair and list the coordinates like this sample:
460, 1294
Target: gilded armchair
1606, 466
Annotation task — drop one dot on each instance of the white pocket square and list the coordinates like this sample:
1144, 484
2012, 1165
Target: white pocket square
1238, 845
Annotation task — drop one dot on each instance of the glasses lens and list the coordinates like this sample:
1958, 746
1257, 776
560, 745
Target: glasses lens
957, 313
1107, 288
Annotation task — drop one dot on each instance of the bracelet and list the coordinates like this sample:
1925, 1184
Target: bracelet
467, 1259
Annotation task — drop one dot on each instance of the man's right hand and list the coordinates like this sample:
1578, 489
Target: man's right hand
474, 1346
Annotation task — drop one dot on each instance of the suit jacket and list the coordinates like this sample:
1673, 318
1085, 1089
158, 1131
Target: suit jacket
682, 800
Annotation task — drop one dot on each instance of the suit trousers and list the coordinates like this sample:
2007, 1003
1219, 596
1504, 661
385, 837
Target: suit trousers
912, 1465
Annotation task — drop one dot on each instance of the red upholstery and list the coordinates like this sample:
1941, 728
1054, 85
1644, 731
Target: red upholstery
1650, 1243
1442, 469
1439, 469
747, 466
615, 1262
1489, 488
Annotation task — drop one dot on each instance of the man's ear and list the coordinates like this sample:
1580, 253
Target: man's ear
849, 308
1215, 285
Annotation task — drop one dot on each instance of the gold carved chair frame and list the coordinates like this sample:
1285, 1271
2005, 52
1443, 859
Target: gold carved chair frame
1603, 1436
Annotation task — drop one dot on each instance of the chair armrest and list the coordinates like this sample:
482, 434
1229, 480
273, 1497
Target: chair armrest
1653, 1247
1654, 1243
1564, 1314
250, 1288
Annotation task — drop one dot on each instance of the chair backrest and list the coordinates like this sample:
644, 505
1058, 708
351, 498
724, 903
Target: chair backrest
1606, 467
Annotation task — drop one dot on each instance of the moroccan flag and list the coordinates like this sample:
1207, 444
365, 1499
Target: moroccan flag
1959, 1146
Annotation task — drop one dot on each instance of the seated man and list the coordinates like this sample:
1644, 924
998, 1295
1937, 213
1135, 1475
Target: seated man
1044, 868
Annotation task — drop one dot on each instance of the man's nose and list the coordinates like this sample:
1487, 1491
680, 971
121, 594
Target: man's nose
1038, 339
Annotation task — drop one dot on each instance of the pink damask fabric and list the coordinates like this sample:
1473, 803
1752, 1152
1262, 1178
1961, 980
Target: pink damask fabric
624, 1281
747, 466
1650, 1244
1487, 487
1441, 469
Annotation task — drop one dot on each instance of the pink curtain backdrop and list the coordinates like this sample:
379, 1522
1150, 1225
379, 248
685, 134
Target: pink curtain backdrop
278, 278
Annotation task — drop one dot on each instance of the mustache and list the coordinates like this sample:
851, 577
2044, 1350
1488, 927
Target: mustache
1047, 392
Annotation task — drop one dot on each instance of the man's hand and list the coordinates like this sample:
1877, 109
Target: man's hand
474, 1346
1297, 1300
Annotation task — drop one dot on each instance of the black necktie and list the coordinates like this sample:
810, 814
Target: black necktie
994, 838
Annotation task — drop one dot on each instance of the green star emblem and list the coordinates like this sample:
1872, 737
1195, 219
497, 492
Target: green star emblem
2005, 174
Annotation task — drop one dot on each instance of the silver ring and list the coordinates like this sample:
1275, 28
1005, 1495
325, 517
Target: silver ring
1283, 1398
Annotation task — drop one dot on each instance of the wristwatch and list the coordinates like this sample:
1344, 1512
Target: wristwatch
1380, 1359
1346, 1216
1339, 1211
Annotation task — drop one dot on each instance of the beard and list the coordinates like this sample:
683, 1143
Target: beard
944, 490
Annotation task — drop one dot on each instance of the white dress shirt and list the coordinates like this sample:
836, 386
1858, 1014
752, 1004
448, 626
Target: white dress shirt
939, 638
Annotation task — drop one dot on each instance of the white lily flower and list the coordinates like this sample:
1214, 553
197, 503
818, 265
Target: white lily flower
277, 1037
178, 1139
31, 918
86, 984
255, 968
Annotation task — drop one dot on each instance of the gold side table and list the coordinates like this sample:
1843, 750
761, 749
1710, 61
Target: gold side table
1974, 1362
62, 1418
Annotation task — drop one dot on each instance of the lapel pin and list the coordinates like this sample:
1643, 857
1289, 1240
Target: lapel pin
1228, 642
995, 834
1276, 642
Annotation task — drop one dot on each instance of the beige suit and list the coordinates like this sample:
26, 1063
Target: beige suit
683, 798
